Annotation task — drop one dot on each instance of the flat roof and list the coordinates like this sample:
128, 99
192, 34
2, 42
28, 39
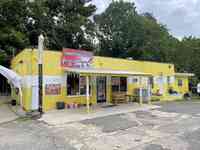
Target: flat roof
185, 74
105, 71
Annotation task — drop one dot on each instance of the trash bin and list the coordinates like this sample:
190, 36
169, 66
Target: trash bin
60, 105
13, 102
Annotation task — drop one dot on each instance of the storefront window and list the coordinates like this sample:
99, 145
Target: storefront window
123, 84
82, 85
76, 85
72, 84
135, 80
115, 84
180, 83
119, 84
151, 82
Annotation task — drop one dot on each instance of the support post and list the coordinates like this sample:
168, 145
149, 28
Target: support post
40, 72
140, 94
149, 94
87, 94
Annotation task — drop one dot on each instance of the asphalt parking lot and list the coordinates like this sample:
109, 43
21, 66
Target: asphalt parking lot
175, 126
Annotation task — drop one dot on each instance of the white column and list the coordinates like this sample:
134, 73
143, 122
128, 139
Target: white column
140, 96
149, 94
40, 72
87, 93
40, 49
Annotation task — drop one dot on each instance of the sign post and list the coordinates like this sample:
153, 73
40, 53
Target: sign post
40, 71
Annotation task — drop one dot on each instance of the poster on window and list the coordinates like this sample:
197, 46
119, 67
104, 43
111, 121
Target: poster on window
72, 58
52, 89
115, 81
82, 81
160, 80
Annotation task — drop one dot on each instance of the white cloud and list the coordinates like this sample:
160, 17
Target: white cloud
101, 5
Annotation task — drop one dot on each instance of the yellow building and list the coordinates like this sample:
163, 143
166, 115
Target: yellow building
107, 76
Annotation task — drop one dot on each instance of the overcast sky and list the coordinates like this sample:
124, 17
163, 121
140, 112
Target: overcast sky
182, 17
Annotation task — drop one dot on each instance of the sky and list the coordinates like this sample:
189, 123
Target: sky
182, 17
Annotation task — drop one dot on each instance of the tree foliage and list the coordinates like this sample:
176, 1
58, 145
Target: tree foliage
121, 31
65, 23
125, 33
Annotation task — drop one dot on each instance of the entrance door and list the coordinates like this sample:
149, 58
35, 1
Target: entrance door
101, 89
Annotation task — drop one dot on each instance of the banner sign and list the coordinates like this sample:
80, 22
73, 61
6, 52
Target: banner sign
73, 58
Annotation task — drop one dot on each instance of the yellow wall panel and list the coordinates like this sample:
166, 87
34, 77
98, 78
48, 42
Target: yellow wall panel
25, 63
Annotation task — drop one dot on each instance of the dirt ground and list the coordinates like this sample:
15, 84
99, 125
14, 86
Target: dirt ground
175, 126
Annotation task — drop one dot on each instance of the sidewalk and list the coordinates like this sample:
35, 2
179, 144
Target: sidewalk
4, 99
60, 117
6, 114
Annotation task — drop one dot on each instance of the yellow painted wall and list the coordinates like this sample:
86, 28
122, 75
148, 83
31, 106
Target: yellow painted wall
52, 61
20, 64
132, 65
25, 63
155, 68
185, 87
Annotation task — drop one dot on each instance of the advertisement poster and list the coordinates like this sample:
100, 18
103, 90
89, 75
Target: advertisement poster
72, 58
115, 81
52, 89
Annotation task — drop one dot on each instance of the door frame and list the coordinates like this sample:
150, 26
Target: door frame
97, 85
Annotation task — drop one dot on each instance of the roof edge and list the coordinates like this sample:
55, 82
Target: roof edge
185, 74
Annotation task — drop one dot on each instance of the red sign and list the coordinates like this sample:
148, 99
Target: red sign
73, 58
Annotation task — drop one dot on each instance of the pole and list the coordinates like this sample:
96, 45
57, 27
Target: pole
40, 71
149, 94
87, 94
140, 96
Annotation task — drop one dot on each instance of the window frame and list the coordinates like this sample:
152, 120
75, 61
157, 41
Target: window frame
120, 84
151, 82
135, 80
180, 80
79, 90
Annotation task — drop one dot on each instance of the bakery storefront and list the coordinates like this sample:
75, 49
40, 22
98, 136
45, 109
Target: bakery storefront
95, 85
76, 78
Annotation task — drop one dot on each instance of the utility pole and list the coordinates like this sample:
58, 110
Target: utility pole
40, 71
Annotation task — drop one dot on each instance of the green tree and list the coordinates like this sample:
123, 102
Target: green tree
114, 27
123, 32
12, 28
65, 23
187, 56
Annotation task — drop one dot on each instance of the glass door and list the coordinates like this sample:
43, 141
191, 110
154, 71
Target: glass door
101, 89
